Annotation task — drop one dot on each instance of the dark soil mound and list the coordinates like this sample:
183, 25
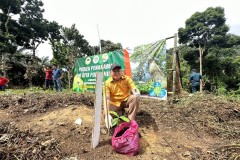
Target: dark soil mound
38, 102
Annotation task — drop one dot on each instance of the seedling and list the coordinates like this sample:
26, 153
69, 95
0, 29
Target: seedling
116, 121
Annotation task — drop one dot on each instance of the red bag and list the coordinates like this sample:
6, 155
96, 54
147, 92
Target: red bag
125, 139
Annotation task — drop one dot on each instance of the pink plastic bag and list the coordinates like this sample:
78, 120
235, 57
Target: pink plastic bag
127, 142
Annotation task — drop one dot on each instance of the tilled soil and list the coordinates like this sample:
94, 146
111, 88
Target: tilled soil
41, 126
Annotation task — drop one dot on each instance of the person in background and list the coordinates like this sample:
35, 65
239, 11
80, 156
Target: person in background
121, 93
196, 79
3, 82
57, 76
48, 77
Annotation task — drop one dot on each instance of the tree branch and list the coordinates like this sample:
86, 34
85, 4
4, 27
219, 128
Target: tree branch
8, 15
37, 45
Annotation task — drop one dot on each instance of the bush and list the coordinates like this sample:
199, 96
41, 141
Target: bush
144, 88
222, 90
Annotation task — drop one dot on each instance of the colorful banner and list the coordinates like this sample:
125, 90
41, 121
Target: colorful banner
86, 68
150, 60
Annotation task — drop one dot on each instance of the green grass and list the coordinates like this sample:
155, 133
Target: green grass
32, 90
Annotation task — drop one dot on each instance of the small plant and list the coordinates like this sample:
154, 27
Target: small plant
117, 120
222, 90
145, 87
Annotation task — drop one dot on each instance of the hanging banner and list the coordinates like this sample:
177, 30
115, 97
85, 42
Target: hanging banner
86, 68
151, 67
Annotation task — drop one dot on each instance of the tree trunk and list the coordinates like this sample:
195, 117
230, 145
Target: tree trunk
174, 64
28, 74
69, 72
4, 65
178, 75
169, 73
200, 63
30, 81
72, 58
32, 67
69, 81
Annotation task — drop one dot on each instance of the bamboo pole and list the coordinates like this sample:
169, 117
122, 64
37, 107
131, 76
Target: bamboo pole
106, 109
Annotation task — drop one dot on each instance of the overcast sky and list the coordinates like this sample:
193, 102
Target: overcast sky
131, 22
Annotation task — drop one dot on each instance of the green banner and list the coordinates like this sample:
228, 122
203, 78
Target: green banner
86, 68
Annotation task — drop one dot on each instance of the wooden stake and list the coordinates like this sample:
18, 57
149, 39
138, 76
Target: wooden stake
97, 111
174, 64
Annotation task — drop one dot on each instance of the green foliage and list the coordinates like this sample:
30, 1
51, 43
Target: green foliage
34, 26
13, 4
44, 61
54, 32
222, 90
234, 93
67, 47
106, 46
118, 119
70, 46
207, 30
8, 26
203, 26
17, 91
144, 88
221, 66
27, 30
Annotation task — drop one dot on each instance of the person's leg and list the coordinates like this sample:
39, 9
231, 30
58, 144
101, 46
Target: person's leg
198, 88
59, 85
55, 85
133, 105
190, 89
1, 88
194, 89
51, 84
46, 83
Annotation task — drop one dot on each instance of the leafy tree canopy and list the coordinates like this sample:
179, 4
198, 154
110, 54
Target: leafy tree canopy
107, 46
203, 26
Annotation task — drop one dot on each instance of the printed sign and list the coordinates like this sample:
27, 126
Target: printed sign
86, 68
158, 91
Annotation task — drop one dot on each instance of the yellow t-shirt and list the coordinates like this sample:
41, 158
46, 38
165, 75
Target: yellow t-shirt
119, 90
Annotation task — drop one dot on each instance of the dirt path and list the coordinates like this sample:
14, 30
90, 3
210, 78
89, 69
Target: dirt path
3, 115
188, 129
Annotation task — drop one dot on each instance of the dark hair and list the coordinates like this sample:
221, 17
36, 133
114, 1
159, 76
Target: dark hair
55, 65
194, 70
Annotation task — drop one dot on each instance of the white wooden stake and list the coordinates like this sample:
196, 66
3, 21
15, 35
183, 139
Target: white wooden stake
97, 110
